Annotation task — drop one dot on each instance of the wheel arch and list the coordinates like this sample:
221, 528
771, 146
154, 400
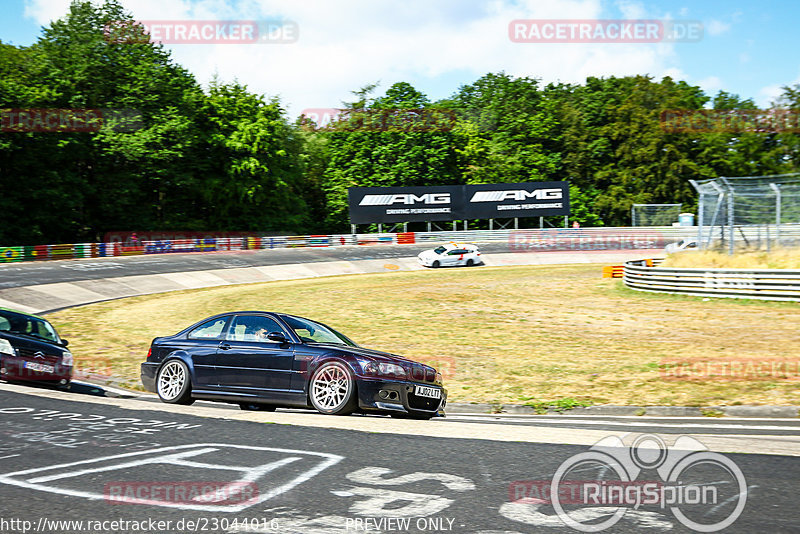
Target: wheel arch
183, 356
321, 360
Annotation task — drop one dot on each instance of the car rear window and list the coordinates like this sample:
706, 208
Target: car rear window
209, 330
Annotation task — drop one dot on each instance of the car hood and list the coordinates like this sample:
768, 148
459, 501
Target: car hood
427, 254
371, 354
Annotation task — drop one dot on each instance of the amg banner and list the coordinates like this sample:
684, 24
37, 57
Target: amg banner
528, 199
406, 204
457, 202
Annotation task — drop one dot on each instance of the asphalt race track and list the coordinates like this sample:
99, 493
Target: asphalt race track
35, 273
73, 460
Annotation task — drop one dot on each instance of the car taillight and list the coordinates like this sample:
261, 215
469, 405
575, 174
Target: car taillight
149, 352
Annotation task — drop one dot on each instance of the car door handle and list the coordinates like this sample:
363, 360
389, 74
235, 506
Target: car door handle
224, 346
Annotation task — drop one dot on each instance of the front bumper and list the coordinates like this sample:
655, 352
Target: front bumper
399, 397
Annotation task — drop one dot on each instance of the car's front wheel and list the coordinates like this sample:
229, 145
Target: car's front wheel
332, 389
435, 264
173, 383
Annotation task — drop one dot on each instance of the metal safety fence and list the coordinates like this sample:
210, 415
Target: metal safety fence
761, 284
534, 240
748, 213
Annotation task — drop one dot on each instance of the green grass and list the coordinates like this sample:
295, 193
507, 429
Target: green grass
757, 259
550, 336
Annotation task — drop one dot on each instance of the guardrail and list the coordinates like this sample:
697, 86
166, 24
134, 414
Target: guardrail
761, 284
530, 240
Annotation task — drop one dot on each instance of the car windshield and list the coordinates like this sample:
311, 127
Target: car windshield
439, 250
18, 323
313, 332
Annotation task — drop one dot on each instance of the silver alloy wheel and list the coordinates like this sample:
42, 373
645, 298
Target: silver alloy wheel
331, 387
171, 380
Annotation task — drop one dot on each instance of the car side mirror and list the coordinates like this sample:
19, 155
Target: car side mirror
64, 342
278, 337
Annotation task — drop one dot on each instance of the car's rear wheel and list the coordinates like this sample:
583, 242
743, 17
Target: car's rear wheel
332, 389
255, 407
470, 262
173, 383
435, 264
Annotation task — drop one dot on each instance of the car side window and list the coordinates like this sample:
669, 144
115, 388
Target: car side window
209, 330
456, 252
253, 328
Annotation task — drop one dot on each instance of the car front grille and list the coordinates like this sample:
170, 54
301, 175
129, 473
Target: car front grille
28, 354
423, 373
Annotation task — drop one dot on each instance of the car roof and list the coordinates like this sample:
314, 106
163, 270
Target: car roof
22, 313
254, 312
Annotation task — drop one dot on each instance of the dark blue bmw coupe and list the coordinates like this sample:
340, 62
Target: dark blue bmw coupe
263, 360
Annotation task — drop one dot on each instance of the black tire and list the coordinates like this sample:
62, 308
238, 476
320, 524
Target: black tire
254, 407
470, 263
173, 384
435, 264
332, 389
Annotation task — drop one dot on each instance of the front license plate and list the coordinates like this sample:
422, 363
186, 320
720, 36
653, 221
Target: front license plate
33, 366
424, 391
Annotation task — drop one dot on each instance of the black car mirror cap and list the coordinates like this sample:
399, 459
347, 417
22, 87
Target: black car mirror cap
64, 342
278, 337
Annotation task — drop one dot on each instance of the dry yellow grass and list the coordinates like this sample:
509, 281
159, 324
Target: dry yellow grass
777, 259
501, 335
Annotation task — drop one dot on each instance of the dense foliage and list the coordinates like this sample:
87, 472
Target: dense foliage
223, 158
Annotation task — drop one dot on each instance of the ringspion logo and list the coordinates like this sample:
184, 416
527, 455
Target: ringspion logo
705, 491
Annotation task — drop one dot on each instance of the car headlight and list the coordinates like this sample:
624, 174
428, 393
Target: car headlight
383, 369
6, 348
67, 359
368, 366
391, 369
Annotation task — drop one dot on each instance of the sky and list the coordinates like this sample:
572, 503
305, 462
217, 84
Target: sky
748, 48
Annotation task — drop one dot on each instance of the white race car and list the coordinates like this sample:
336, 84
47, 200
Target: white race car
683, 244
451, 254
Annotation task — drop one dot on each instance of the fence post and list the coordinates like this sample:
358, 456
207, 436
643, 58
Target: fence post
729, 192
777, 189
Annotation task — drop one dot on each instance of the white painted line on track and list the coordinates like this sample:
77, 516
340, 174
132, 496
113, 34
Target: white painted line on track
628, 424
172, 456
